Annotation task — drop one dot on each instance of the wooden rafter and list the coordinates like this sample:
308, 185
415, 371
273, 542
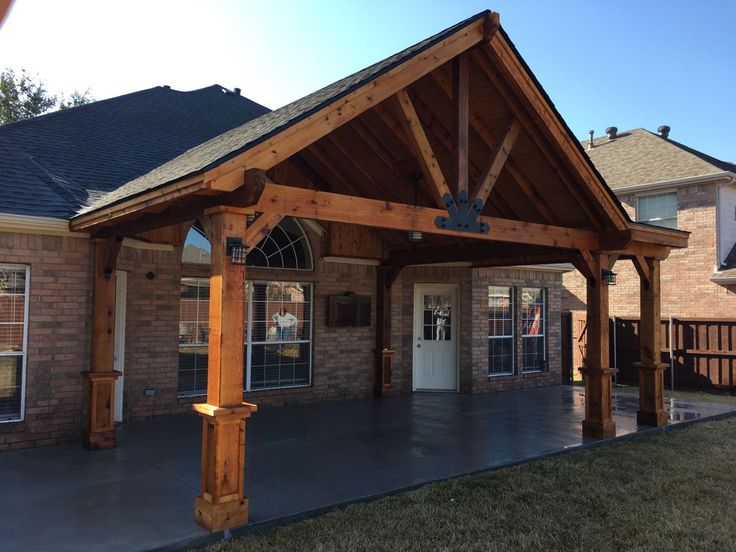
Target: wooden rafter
317, 125
444, 137
244, 196
497, 161
478, 124
311, 204
419, 144
532, 131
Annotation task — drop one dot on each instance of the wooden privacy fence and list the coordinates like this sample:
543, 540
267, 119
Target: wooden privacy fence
702, 355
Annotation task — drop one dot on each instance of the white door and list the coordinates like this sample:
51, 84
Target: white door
435, 337
121, 286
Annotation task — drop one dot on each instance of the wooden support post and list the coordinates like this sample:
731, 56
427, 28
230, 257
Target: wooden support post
651, 368
100, 430
385, 276
222, 503
460, 96
598, 422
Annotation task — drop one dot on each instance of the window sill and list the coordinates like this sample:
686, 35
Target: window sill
504, 375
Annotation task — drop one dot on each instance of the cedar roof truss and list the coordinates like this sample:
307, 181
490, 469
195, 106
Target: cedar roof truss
460, 143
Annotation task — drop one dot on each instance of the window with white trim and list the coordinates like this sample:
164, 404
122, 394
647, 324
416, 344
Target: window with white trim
278, 335
658, 209
500, 330
533, 329
13, 340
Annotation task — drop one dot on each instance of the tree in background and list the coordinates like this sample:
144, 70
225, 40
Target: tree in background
23, 96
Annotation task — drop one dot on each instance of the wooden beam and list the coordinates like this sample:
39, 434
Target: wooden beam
419, 144
532, 130
461, 100
598, 422
312, 128
497, 161
260, 228
651, 368
311, 204
486, 252
642, 267
385, 276
248, 194
478, 124
100, 430
221, 503
551, 123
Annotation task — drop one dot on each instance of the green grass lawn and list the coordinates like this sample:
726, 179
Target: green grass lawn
668, 491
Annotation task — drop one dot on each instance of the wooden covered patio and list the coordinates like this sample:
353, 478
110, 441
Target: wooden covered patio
453, 140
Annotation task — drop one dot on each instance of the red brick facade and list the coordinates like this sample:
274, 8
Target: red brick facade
686, 287
343, 358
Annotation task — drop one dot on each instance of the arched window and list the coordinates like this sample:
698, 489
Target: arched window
286, 246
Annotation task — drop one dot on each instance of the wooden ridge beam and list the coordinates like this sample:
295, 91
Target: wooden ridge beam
315, 126
419, 144
497, 161
311, 204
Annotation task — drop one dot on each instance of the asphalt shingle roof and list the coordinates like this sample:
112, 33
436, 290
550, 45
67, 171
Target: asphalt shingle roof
237, 140
641, 157
55, 164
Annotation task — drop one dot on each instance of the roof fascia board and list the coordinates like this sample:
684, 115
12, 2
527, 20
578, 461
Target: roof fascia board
724, 177
296, 137
28, 224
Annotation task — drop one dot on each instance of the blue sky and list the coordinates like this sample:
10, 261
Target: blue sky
625, 63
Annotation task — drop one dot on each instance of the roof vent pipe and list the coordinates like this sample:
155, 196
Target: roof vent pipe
590, 139
664, 131
237, 91
611, 131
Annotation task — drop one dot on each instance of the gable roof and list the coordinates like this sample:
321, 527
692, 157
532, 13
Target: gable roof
221, 148
639, 157
55, 164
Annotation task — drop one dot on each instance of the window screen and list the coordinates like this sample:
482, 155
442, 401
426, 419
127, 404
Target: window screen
500, 330
13, 328
658, 209
533, 329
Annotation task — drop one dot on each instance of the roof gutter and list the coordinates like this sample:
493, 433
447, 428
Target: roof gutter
47, 226
726, 176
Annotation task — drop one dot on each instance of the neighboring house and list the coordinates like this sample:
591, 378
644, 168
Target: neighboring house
662, 182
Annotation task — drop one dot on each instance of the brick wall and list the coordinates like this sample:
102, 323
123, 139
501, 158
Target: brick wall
58, 337
686, 287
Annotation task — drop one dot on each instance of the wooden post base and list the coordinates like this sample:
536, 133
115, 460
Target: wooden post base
651, 394
100, 432
598, 422
222, 503
599, 430
218, 517
384, 385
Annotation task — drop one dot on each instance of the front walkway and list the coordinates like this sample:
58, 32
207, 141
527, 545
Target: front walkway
301, 458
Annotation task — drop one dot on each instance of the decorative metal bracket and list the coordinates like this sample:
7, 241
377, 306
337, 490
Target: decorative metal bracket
463, 217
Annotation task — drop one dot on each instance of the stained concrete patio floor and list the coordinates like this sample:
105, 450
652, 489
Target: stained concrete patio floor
140, 495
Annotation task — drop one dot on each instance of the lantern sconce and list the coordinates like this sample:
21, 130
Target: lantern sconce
415, 236
609, 277
236, 250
